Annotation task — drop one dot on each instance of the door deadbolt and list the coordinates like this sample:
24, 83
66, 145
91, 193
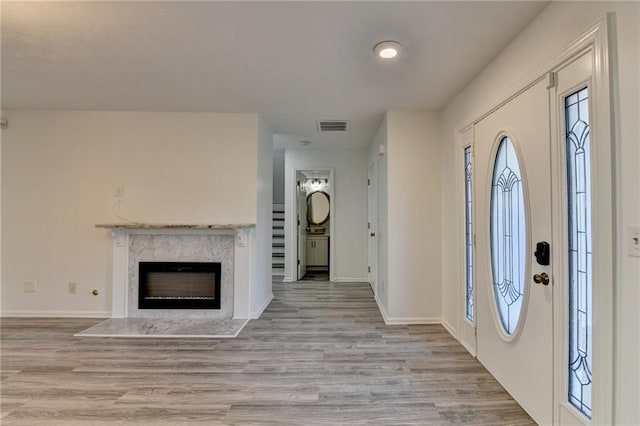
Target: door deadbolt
542, 278
542, 253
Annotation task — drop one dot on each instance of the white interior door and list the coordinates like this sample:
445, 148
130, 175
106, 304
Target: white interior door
301, 207
513, 199
372, 228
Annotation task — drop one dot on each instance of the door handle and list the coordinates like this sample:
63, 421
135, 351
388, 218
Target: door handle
542, 278
373, 234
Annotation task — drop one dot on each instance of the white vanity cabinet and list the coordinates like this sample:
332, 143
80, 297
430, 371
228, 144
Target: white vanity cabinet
318, 250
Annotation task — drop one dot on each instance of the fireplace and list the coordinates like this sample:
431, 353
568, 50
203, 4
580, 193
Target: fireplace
179, 285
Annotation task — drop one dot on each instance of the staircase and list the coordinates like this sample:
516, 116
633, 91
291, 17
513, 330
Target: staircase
277, 260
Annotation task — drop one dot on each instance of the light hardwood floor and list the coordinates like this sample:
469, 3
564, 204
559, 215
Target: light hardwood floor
320, 354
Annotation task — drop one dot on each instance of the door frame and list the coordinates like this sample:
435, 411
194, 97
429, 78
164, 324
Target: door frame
301, 237
465, 139
602, 230
291, 238
372, 220
598, 39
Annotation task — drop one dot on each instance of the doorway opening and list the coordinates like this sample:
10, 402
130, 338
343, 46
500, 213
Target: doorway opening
314, 224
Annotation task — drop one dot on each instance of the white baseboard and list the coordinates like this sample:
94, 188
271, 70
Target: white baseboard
381, 308
350, 279
469, 349
454, 334
288, 280
258, 313
404, 320
57, 314
449, 328
412, 320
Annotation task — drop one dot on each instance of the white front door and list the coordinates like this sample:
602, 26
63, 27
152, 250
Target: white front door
513, 198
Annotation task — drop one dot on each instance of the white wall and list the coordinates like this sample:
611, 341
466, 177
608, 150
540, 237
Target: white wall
558, 25
349, 231
278, 177
411, 229
264, 234
59, 175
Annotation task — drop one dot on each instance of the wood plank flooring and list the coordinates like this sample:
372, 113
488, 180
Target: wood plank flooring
320, 354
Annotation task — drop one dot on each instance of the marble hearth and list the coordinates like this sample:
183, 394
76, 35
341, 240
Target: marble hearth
229, 244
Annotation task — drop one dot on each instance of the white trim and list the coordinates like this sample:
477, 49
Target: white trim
120, 274
469, 349
381, 308
603, 215
290, 223
450, 329
453, 334
540, 71
256, 314
413, 321
459, 339
350, 280
404, 320
373, 247
168, 336
465, 139
56, 314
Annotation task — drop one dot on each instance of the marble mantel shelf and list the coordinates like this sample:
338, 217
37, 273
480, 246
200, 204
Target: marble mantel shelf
174, 226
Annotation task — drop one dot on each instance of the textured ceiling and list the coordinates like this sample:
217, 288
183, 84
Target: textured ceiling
292, 62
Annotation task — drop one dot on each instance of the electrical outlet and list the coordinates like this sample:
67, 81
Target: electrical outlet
120, 192
30, 287
634, 241
72, 288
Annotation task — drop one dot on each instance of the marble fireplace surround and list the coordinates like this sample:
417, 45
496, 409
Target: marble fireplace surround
229, 244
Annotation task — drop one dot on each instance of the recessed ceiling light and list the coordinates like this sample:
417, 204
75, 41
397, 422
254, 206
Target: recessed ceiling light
387, 49
304, 143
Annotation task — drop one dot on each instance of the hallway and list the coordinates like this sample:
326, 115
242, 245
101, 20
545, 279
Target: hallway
320, 354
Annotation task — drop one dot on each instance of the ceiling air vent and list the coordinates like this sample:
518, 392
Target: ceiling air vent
332, 125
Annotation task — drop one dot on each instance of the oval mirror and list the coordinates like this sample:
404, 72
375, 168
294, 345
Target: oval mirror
317, 208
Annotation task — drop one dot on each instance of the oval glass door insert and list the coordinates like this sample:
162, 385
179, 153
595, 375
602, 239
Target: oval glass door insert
507, 236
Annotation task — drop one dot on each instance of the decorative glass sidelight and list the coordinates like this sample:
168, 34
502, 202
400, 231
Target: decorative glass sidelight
508, 241
468, 220
579, 255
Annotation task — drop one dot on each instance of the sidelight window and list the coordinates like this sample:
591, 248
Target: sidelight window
468, 234
579, 245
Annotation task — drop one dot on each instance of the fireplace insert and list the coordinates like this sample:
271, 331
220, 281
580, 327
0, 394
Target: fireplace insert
179, 285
